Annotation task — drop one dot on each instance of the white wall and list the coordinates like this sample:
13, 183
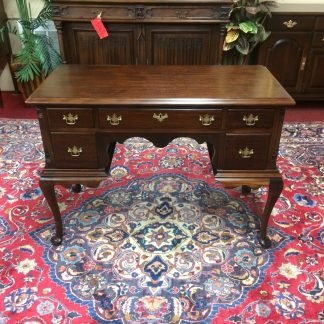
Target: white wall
10, 7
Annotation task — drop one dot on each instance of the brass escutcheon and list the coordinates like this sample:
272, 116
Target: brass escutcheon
70, 119
160, 117
206, 120
246, 153
114, 120
74, 151
250, 120
290, 23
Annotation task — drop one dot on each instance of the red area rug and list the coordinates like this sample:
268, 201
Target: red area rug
160, 241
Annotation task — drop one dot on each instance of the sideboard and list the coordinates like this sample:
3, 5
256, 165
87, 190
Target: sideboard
141, 32
294, 53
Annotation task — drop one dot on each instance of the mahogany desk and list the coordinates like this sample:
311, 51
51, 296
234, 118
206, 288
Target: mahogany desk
84, 110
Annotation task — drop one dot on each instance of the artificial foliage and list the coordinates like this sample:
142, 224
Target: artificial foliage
37, 54
245, 29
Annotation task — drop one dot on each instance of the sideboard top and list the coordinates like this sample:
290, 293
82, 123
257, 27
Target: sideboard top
167, 85
159, 2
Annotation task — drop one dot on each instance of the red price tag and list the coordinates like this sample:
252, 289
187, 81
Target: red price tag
99, 27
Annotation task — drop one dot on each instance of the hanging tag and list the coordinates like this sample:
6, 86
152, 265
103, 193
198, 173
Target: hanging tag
99, 27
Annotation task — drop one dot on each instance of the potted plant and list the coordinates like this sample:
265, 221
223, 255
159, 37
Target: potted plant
245, 29
37, 56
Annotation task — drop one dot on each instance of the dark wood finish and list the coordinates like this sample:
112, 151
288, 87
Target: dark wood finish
295, 55
160, 103
142, 32
275, 189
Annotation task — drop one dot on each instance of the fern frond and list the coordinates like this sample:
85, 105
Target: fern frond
49, 57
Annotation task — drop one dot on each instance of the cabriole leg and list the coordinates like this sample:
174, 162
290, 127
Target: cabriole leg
49, 194
275, 189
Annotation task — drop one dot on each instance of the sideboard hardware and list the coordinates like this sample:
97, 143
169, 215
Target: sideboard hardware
182, 14
114, 120
303, 63
246, 153
290, 23
160, 117
206, 120
98, 12
70, 119
250, 120
74, 151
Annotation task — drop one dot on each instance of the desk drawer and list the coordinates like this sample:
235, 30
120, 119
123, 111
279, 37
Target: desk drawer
74, 118
161, 119
76, 150
243, 152
249, 118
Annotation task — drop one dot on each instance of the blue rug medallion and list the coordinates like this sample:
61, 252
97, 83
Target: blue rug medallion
159, 250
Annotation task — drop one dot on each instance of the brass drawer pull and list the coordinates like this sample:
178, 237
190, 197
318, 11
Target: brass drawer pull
206, 120
160, 117
246, 153
114, 120
74, 151
290, 23
70, 119
250, 120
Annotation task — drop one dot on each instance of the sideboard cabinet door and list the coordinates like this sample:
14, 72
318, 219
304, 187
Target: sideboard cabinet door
182, 44
83, 46
315, 78
284, 54
294, 53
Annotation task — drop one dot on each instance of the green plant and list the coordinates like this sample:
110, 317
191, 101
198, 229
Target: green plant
37, 54
246, 29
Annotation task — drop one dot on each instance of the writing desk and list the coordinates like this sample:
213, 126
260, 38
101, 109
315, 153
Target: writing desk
84, 110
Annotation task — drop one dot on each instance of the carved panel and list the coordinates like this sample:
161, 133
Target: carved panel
176, 45
86, 48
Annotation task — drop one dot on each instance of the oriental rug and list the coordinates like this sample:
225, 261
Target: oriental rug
160, 241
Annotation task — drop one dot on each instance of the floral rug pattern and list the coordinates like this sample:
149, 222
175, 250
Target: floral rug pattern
160, 241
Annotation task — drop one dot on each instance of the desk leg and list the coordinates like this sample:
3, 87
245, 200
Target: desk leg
49, 194
275, 188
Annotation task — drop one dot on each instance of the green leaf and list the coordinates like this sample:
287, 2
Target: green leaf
3, 30
248, 27
242, 45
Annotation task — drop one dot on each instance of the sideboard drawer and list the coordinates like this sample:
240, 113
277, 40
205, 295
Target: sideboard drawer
295, 22
318, 39
160, 119
243, 152
89, 12
186, 12
249, 118
74, 150
74, 118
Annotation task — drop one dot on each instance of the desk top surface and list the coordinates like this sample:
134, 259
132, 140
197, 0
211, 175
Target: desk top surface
161, 85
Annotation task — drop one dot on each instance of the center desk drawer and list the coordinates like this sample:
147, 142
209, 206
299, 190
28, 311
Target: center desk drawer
73, 118
160, 119
77, 150
249, 118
